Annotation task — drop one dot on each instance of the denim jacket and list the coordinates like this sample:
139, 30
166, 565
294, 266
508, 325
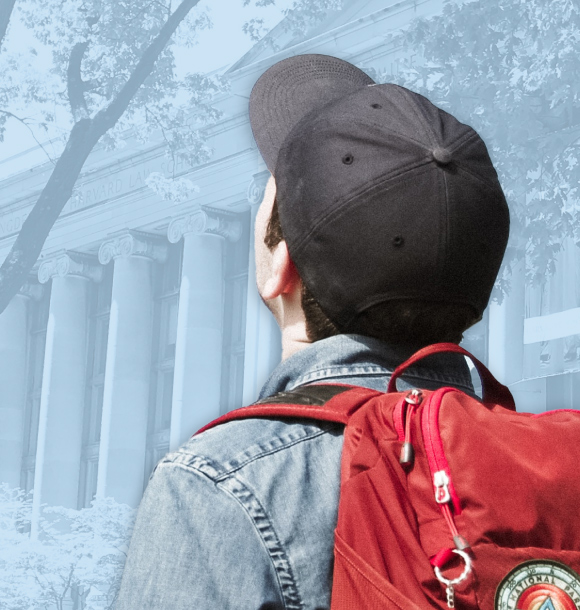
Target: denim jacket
242, 516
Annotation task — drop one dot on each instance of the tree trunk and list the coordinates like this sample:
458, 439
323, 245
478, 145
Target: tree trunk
28, 245
83, 137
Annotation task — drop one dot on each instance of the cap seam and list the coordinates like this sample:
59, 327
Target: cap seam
412, 105
453, 147
390, 131
338, 209
463, 139
379, 126
447, 221
418, 110
394, 174
479, 178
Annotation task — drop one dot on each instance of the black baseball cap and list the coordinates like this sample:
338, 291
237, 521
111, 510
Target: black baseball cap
382, 195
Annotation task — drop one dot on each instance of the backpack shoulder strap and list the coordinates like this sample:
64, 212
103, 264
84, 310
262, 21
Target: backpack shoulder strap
321, 402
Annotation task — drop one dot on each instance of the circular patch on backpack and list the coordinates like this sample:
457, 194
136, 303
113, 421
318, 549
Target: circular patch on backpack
539, 585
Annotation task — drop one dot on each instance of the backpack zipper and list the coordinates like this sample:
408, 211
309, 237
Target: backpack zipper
444, 491
405, 410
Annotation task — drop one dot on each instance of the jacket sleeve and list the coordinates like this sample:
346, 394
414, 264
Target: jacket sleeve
194, 547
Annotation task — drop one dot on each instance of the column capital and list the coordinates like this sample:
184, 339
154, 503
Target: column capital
69, 263
257, 186
133, 243
206, 220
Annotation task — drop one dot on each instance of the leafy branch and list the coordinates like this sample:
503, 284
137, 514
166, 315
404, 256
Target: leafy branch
84, 135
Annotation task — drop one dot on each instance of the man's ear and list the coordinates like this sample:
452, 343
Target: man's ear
283, 277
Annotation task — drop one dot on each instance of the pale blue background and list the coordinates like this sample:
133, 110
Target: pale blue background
108, 527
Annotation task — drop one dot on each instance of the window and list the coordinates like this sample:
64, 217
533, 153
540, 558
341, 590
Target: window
166, 281
559, 352
563, 391
98, 329
38, 321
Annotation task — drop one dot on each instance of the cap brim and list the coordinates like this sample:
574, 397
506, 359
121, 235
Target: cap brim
292, 88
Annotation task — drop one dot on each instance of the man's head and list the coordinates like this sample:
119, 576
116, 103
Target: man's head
389, 208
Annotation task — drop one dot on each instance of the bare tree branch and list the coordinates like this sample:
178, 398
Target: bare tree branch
138, 15
165, 138
25, 123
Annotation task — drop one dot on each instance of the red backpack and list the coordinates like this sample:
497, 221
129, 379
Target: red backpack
447, 501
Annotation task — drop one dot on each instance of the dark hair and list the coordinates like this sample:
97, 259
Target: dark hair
415, 322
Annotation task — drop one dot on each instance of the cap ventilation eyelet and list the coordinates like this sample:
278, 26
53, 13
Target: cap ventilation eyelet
348, 159
398, 241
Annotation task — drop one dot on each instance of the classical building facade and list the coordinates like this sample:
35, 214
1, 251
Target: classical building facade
142, 321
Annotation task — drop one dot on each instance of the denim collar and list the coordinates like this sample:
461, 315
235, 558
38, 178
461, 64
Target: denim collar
357, 356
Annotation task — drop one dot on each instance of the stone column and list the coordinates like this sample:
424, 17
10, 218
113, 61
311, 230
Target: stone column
263, 341
13, 383
58, 452
506, 331
128, 367
199, 347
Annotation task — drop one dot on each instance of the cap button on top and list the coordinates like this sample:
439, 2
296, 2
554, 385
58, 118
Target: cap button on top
442, 156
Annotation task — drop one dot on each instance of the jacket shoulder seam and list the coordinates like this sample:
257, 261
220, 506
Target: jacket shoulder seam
275, 445
218, 472
191, 463
244, 496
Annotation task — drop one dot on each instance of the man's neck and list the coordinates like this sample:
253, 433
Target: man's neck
294, 339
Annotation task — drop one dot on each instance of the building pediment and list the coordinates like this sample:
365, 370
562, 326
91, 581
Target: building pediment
281, 37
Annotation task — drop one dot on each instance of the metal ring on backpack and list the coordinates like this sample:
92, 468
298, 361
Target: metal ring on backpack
461, 577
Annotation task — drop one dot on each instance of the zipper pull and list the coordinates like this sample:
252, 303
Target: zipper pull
407, 454
413, 400
441, 483
414, 397
443, 491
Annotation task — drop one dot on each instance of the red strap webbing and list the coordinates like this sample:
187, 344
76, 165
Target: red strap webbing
494, 393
